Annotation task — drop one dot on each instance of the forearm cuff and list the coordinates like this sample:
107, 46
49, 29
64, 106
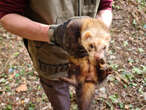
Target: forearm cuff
105, 5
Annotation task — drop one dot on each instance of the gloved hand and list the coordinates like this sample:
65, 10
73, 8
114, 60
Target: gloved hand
67, 36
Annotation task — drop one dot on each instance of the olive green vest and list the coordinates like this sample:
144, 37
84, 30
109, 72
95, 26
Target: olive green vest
57, 11
49, 60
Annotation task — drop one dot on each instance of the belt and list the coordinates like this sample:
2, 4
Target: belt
53, 68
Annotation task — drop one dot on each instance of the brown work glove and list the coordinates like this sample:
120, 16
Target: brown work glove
67, 36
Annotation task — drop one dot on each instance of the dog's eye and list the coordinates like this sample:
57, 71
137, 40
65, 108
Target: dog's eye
91, 46
104, 47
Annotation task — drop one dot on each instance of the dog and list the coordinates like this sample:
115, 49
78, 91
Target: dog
88, 71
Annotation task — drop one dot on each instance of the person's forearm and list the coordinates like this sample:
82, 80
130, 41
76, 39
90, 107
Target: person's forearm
25, 27
106, 16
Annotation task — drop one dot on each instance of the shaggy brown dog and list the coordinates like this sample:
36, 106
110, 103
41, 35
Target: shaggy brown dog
87, 71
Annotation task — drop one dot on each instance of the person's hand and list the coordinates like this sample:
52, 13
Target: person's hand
105, 16
67, 36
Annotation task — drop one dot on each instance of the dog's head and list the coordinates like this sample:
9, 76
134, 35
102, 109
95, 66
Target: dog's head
95, 38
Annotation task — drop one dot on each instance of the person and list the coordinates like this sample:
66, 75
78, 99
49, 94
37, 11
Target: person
43, 25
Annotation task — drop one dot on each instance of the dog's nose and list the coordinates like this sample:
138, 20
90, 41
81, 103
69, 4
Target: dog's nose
99, 56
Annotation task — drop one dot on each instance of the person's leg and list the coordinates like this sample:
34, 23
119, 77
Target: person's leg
57, 93
50, 61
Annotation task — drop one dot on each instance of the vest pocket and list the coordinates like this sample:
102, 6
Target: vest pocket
89, 2
89, 7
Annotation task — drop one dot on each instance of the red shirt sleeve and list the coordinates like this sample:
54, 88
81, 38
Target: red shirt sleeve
105, 5
12, 6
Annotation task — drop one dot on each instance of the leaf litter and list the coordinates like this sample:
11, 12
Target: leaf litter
124, 90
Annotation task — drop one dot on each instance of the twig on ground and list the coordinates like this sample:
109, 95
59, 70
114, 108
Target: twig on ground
119, 76
6, 64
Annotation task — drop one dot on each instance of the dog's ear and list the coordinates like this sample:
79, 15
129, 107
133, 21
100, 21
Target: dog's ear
86, 36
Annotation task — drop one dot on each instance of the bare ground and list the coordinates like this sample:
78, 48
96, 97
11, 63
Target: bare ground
124, 90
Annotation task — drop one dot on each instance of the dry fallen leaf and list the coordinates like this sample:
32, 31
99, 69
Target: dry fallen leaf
127, 107
12, 76
21, 88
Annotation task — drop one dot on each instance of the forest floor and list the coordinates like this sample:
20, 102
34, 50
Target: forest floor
124, 90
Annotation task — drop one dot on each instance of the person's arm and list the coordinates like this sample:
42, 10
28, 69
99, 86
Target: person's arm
11, 18
105, 12
25, 27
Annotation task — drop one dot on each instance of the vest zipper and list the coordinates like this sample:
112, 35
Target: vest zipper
79, 7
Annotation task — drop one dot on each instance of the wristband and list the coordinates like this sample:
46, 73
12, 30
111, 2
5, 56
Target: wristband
51, 32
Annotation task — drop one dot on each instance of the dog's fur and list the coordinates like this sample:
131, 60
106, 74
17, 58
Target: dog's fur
90, 70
